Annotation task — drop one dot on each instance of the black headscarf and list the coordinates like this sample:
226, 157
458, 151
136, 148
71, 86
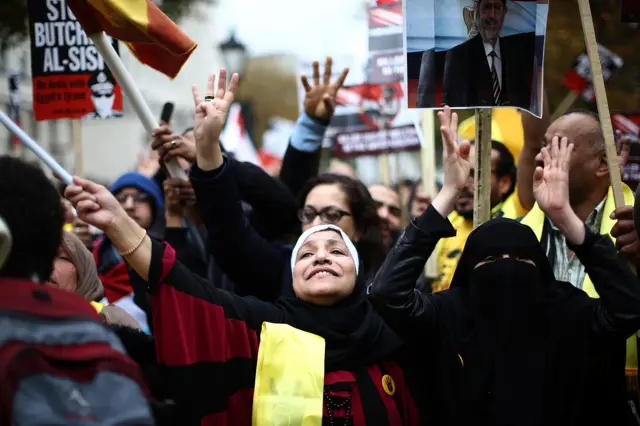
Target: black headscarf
355, 335
505, 301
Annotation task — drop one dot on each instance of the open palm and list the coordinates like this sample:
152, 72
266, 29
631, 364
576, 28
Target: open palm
551, 182
320, 100
210, 115
456, 165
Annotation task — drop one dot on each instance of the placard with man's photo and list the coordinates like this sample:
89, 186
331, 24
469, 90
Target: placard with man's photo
475, 53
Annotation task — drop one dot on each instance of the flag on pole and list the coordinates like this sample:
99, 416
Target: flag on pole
150, 35
14, 102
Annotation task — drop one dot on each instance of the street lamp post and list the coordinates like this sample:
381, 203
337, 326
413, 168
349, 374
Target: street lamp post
235, 57
234, 54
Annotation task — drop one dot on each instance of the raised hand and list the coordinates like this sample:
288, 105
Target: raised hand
456, 165
551, 182
211, 112
147, 164
320, 100
623, 147
94, 203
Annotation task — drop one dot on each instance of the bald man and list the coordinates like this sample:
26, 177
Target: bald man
389, 211
589, 195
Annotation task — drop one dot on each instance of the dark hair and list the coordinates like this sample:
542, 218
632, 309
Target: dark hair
506, 165
365, 215
33, 212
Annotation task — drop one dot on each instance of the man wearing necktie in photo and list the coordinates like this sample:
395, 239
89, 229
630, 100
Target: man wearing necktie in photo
489, 70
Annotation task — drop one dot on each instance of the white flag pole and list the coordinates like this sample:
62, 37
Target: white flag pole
133, 94
36, 149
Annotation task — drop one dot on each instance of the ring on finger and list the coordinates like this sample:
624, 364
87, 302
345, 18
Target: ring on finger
174, 143
208, 98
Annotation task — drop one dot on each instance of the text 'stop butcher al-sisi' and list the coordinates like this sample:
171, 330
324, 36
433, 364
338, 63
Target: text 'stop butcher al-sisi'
475, 53
69, 76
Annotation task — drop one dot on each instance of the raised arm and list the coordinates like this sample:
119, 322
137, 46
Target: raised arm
618, 311
393, 291
232, 241
534, 129
302, 158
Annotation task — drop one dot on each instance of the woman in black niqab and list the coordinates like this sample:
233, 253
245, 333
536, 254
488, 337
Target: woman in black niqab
507, 344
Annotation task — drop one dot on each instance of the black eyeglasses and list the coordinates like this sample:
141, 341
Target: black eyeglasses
101, 95
122, 197
331, 215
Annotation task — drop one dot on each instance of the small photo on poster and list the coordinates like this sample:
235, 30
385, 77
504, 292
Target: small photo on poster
475, 53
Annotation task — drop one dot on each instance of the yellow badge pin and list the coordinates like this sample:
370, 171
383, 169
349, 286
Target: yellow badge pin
388, 385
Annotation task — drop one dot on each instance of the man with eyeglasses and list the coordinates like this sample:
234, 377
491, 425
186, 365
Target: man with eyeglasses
142, 199
487, 69
389, 211
102, 85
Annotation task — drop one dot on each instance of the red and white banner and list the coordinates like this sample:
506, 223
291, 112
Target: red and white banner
629, 125
578, 79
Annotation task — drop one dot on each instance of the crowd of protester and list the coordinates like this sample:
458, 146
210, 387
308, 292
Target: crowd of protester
238, 298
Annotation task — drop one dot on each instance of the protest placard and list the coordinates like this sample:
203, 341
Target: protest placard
70, 78
475, 53
578, 78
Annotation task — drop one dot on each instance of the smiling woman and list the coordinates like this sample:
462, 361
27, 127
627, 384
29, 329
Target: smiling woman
321, 356
324, 265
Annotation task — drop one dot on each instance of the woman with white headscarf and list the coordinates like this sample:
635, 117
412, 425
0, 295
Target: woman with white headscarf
321, 356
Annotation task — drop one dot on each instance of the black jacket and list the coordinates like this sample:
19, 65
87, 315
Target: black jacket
574, 374
467, 80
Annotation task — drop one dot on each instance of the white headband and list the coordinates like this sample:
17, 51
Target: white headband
352, 249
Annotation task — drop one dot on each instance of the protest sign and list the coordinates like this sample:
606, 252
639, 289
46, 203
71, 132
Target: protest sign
475, 53
578, 78
70, 78
385, 124
629, 125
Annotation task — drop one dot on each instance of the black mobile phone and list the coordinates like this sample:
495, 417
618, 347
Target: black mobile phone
630, 11
167, 112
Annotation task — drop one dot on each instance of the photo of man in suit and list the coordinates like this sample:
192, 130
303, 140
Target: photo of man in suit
486, 69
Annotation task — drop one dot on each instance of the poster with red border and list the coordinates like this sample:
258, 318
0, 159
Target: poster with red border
578, 78
70, 78
629, 124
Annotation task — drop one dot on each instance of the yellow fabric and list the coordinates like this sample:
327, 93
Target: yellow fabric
136, 11
506, 127
449, 249
98, 306
535, 220
289, 377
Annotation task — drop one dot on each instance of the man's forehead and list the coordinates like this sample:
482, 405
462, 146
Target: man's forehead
382, 193
567, 126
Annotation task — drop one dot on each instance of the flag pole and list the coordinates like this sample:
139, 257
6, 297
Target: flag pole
601, 101
482, 168
43, 155
133, 94
564, 105
76, 127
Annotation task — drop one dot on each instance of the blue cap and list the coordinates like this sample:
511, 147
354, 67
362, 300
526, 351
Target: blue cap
141, 183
